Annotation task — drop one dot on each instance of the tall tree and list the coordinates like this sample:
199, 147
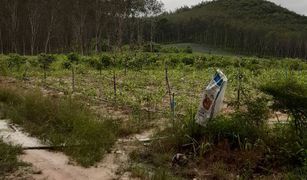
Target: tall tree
34, 21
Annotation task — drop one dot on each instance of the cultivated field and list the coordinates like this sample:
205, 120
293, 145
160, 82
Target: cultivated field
90, 107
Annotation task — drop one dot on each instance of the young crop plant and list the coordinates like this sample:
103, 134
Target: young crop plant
73, 60
16, 61
45, 60
104, 61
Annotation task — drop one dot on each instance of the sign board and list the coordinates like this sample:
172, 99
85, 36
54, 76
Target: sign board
212, 99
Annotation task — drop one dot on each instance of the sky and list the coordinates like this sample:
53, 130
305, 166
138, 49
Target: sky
298, 6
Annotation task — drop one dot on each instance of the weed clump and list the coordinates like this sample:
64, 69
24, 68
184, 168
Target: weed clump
8, 159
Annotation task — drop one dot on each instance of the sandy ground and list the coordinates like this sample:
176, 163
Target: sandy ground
57, 166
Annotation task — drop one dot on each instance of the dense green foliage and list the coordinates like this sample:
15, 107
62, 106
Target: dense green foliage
244, 26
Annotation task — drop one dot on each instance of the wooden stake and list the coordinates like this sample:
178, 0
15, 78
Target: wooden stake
173, 109
239, 85
168, 85
114, 85
73, 78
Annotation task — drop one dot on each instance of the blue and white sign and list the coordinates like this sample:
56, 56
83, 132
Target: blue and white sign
212, 99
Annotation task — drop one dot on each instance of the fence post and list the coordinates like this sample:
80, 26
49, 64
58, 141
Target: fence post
239, 85
73, 78
148, 107
125, 66
173, 105
168, 85
114, 85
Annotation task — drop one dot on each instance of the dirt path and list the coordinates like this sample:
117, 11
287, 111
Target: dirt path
57, 166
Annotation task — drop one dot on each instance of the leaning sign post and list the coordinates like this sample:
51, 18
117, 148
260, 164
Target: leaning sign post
212, 100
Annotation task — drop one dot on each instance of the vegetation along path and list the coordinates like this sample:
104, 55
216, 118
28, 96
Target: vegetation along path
57, 165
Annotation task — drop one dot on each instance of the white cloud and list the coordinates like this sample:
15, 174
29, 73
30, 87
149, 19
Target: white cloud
174, 4
298, 6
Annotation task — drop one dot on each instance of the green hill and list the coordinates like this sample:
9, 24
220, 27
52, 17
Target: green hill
244, 26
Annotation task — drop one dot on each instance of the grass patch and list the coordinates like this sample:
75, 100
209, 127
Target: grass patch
61, 122
8, 159
142, 172
138, 122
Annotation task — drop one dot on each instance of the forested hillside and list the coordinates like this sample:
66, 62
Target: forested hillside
245, 26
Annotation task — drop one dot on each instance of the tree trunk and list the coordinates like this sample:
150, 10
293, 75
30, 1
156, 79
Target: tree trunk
1, 42
50, 28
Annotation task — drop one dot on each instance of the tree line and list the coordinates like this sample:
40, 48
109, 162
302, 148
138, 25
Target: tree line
57, 26
254, 27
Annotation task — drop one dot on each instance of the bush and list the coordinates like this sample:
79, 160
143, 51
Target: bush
188, 50
16, 61
105, 61
291, 97
289, 142
72, 59
45, 60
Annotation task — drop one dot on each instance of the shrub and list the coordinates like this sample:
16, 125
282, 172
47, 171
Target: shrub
289, 142
72, 59
291, 97
105, 61
188, 50
45, 60
16, 61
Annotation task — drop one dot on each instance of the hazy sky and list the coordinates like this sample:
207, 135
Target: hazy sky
298, 6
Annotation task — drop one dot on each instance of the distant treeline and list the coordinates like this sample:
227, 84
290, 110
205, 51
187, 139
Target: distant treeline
84, 26
244, 26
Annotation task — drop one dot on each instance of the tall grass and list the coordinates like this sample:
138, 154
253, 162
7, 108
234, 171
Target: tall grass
8, 159
61, 122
